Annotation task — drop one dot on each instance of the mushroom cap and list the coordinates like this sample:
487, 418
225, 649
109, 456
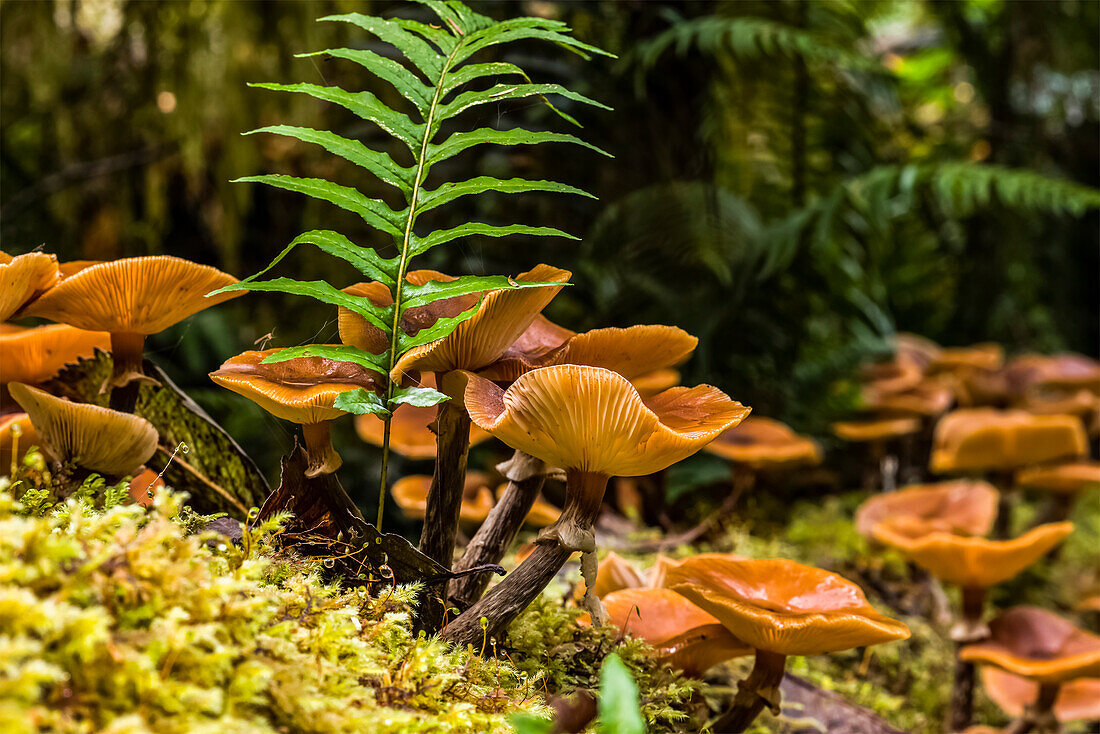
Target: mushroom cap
615, 573
903, 372
783, 607
685, 636
961, 506
1077, 700
95, 438
21, 277
592, 419
538, 343
656, 381
143, 485
1038, 645
1063, 478
411, 435
1059, 401
968, 561
762, 442
1067, 370
930, 397
876, 430
919, 350
301, 390
35, 355
985, 439
480, 340
27, 437
137, 295
1090, 603
632, 352
411, 495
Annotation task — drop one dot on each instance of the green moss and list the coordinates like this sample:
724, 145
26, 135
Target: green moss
117, 620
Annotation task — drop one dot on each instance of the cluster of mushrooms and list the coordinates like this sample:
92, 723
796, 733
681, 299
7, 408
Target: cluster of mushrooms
94, 306
579, 409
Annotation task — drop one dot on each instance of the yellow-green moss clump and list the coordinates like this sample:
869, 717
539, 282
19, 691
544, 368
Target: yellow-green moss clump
117, 620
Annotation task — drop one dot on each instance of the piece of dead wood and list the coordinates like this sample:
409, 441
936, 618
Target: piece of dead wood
825, 711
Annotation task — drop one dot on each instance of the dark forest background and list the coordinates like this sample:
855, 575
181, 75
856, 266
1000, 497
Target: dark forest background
793, 181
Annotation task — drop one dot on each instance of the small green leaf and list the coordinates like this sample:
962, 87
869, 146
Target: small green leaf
361, 402
461, 141
420, 397
420, 53
521, 29
501, 92
435, 290
440, 236
390, 70
337, 352
435, 332
470, 72
373, 211
620, 712
528, 724
450, 191
321, 291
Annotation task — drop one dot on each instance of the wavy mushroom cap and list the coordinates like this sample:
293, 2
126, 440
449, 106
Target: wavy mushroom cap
35, 355
901, 373
985, 439
301, 390
358, 332
411, 495
876, 430
762, 442
928, 398
1067, 478
480, 340
968, 561
1047, 401
655, 575
95, 438
1067, 371
1038, 645
615, 573
963, 507
1090, 604
28, 437
783, 607
137, 295
21, 277
1077, 700
655, 382
411, 435
593, 420
684, 635
917, 349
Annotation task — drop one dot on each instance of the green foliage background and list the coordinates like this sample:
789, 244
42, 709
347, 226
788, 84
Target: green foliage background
792, 181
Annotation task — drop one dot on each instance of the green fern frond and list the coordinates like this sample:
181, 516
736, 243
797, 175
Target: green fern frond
434, 78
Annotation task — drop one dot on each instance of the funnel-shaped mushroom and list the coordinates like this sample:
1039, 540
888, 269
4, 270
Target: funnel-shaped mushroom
901, 373
35, 355
779, 608
1068, 478
411, 495
686, 637
17, 434
481, 339
1043, 648
132, 298
411, 434
985, 356
21, 277
592, 423
96, 439
984, 439
928, 398
761, 443
877, 433
302, 390
962, 507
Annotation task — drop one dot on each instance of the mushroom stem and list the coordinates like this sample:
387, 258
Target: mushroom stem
1039, 717
526, 475
1002, 527
760, 689
970, 628
572, 531
127, 350
441, 516
323, 459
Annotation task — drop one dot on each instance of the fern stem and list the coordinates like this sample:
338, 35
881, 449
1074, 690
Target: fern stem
403, 264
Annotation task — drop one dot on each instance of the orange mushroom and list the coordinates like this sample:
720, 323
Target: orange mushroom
592, 423
962, 507
685, 637
1043, 648
143, 485
1077, 700
302, 390
928, 398
779, 608
759, 443
614, 574
985, 439
132, 298
22, 277
35, 355
411, 495
93, 438
877, 433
